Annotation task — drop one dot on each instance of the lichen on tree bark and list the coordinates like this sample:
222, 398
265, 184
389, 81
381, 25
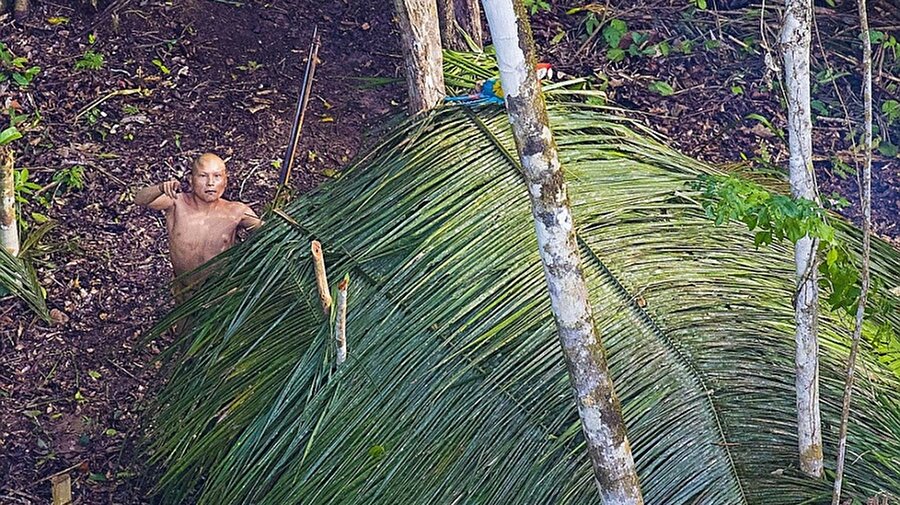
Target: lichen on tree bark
795, 40
598, 406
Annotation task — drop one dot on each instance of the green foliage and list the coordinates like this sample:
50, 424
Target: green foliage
778, 132
891, 111
158, 63
773, 218
8, 135
70, 178
455, 390
90, 60
18, 278
16, 68
662, 88
535, 6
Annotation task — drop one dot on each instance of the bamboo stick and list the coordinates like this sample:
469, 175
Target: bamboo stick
9, 231
340, 331
61, 489
321, 278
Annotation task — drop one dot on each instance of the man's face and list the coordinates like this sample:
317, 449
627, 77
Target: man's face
208, 181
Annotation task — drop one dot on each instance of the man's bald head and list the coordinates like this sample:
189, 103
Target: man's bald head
207, 160
208, 178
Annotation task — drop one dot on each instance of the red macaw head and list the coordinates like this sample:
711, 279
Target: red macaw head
544, 71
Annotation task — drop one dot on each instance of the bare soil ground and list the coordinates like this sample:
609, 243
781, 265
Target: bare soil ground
222, 76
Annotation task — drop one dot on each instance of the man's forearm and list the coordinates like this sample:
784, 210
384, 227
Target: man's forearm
146, 195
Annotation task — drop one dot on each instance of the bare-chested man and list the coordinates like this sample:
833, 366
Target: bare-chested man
201, 224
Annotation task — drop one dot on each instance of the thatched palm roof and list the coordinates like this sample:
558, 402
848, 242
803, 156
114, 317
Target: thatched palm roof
455, 391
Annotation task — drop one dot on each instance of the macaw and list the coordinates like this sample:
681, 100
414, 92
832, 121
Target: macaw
490, 90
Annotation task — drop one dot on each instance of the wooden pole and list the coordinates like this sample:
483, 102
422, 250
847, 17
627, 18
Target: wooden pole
321, 278
340, 330
9, 231
598, 406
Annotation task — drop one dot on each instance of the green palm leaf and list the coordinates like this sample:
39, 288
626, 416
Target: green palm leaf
19, 279
455, 391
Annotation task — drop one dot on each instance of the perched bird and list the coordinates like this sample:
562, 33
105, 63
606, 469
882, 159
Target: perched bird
490, 90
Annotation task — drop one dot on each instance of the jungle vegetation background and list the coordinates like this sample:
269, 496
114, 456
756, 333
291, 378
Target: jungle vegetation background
128, 92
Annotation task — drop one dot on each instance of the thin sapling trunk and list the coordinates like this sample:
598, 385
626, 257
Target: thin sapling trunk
866, 199
795, 40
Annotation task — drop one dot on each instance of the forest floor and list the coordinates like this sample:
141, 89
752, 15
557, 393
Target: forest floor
213, 75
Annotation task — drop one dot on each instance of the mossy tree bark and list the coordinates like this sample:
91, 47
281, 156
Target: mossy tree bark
460, 14
421, 41
598, 406
795, 40
9, 232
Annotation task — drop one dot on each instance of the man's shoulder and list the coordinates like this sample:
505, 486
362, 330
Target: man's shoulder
233, 205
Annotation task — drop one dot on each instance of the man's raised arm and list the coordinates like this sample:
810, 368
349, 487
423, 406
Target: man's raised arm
250, 221
158, 197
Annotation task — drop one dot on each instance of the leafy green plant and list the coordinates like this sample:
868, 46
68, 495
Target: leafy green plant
891, 111
774, 218
8, 135
16, 68
778, 132
662, 88
535, 6
70, 178
613, 33
250, 67
158, 63
90, 60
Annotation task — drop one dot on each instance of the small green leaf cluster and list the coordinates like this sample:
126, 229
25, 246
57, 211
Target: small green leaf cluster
90, 60
535, 6
773, 218
70, 178
16, 68
9, 134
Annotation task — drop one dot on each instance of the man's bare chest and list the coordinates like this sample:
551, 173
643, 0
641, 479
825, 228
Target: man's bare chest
197, 228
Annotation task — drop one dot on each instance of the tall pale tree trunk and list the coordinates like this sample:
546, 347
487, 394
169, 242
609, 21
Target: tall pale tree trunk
9, 233
421, 41
460, 14
866, 199
795, 40
598, 406
21, 9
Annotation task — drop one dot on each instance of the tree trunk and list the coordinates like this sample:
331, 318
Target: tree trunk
20, 9
456, 15
795, 40
421, 43
9, 232
866, 199
598, 406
